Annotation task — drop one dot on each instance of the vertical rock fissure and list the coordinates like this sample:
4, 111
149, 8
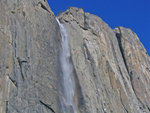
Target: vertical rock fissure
6, 106
119, 36
67, 84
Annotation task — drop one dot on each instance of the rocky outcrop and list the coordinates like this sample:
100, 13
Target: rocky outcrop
137, 63
111, 68
29, 48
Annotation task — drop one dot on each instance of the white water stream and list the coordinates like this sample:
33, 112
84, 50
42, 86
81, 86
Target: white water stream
67, 81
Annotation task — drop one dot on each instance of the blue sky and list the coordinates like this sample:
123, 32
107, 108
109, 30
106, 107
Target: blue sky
134, 14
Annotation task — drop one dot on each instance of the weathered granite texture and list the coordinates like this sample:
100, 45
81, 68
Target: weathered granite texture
111, 67
29, 48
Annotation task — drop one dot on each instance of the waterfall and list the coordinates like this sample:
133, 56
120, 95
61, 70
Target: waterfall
67, 88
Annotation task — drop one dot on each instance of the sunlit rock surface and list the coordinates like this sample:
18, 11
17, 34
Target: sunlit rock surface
111, 68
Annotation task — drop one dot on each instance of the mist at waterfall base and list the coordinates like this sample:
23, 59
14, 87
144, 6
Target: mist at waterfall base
66, 86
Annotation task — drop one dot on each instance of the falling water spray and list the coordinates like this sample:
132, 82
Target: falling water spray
67, 87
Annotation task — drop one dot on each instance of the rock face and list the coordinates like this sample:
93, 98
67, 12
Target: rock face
111, 68
29, 48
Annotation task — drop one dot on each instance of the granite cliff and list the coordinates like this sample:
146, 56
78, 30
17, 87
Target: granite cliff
110, 67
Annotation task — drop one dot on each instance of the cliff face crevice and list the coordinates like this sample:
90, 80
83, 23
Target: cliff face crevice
111, 68
131, 47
